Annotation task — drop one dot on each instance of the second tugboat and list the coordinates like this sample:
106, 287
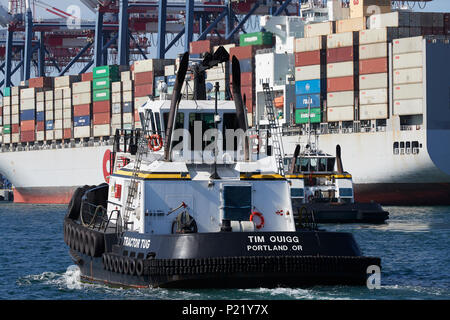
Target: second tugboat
185, 223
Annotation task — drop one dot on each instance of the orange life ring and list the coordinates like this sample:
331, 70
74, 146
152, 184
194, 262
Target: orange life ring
155, 142
261, 218
106, 167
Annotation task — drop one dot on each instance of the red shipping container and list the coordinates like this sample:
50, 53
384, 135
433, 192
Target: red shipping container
247, 79
340, 84
67, 134
198, 47
42, 82
27, 125
89, 76
102, 118
101, 106
307, 58
27, 136
143, 90
1, 111
340, 54
82, 110
248, 95
40, 125
246, 52
378, 65
15, 128
143, 78
136, 116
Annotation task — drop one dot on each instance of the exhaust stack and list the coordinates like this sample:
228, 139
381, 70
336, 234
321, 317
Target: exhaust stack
340, 168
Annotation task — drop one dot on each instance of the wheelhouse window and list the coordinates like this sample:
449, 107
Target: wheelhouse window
237, 202
395, 147
230, 122
206, 121
179, 124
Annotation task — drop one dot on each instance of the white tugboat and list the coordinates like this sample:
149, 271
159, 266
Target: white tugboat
172, 218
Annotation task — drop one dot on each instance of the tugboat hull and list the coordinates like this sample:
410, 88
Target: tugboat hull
225, 260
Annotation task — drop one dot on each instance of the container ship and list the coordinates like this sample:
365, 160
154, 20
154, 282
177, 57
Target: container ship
376, 84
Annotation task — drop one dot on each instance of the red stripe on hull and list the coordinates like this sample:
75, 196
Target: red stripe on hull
45, 195
416, 194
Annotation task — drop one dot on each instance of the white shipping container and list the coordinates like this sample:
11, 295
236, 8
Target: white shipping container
340, 69
81, 87
127, 117
140, 101
82, 132
338, 99
81, 98
374, 50
58, 93
28, 93
67, 103
307, 72
408, 91
15, 137
116, 107
15, 91
58, 134
6, 138
127, 96
393, 19
40, 96
49, 105
407, 45
67, 92
338, 40
169, 70
40, 135
64, 81
377, 35
373, 96
67, 114
116, 97
6, 110
116, 118
40, 106
58, 124
14, 100
373, 111
49, 115
58, 114
67, 123
373, 81
48, 95
308, 44
29, 104
405, 76
15, 109
143, 65
344, 113
6, 120
101, 130
49, 134
116, 87
58, 104
6, 101
318, 29
407, 60
408, 107
125, 75
127, 85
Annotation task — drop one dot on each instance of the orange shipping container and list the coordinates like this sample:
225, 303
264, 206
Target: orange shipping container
15, 128
340, 54
27, 125
143, 78
101, 106
89, 76
102, 118
27, 136
340, 84
42, 82
82, 110
67, 133
246, 52
143, 90
40, 126
307, 58
379, 65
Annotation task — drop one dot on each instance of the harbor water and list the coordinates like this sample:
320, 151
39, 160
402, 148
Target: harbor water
414, 246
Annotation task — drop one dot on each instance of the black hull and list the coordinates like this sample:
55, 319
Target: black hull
223, 260
345, 213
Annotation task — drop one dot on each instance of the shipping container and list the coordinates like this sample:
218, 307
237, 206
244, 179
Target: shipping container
308, 86
373, 81
82, 132
27, 115
319, 29
377, 35
110, 71
408, 107
41, 82
344, 113
340, 69
308, 72
143, 78
341, 84
80, 121
373, 111
101, 130
88, 76
101, 106
373, 96
310, 44
343, 98
81, 87
27, 125
377, 65
143, 90
407, 45
81, 98
341, 54
247, 52
65, 81
408, 91
305, 116
40, 125
308, 100
101, 118
127, 107
308, 58
256, 39
374, 50
393, 19
364, 8
27, 136
350, 25
339, 40
102, 95
405, 76
408, 60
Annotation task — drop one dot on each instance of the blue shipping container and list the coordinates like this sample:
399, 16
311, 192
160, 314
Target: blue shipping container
40, 116
49, 125
27, 115
127, 107
307, 86
302, 101
171, 80
81, 121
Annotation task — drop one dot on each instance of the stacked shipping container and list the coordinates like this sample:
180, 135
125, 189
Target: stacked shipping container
6, 115
127, 100
82, 108
310, 89
49, 114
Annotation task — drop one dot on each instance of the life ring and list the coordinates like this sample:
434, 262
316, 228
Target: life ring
106, 168
155, 142
261, 218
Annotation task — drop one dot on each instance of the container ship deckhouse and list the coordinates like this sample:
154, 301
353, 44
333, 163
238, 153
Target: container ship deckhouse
377, 85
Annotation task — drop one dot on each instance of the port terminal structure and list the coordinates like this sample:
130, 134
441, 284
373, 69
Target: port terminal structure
119, 28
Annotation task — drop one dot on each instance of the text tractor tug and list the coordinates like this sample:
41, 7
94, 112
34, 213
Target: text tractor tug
176, 218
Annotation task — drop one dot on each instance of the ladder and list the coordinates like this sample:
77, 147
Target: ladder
141, 150
274, 127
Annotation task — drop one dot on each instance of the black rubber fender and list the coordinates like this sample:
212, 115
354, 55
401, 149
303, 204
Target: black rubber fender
126, 265
132, 267
98, 243
120, 267
115, 264
73, 209
139, 267
109, 261
105, 261
77, 239
84, 241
